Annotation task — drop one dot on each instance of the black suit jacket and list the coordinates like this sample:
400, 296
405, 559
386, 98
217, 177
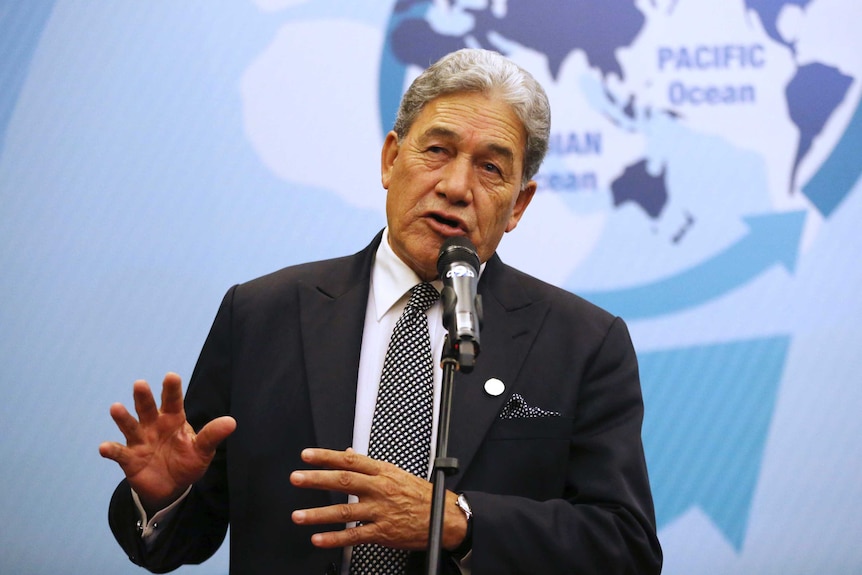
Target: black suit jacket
566, 493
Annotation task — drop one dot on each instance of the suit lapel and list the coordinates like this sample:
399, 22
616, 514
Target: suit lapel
511, 323
332, 317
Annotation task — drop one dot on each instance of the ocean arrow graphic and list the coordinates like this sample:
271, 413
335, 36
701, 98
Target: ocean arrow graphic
772, 238
708, 412
838, 174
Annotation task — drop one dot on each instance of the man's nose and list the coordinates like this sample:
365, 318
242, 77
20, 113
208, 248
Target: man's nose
457, 180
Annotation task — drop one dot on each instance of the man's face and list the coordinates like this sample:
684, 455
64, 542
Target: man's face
457, 172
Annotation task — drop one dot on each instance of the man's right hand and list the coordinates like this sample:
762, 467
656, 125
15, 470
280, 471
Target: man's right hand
163, 455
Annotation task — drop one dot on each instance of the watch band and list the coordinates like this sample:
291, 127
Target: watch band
467, 544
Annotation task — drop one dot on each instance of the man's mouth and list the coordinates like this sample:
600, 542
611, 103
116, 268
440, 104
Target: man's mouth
446, 221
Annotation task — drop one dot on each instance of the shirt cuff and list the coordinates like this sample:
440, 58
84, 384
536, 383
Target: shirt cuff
149, 527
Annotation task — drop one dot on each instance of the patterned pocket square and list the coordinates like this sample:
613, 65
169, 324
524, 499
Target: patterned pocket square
517, 408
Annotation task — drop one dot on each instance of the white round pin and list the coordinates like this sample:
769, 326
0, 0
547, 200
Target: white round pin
494, 387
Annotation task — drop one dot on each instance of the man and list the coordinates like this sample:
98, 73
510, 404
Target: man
546, 428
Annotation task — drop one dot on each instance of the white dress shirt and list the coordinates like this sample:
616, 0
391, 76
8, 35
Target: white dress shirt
391, 282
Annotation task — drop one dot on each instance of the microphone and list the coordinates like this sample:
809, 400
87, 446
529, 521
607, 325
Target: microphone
458, 266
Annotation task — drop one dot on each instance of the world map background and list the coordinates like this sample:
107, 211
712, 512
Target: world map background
154, 155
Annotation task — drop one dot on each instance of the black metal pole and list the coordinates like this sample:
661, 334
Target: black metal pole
443, 464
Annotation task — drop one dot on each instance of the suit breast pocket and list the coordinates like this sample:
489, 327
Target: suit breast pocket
527, 428
527, 457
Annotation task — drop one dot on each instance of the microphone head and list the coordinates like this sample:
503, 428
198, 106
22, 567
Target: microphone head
457, 249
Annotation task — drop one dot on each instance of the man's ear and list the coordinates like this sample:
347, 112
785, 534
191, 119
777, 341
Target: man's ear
387, 158
525, 196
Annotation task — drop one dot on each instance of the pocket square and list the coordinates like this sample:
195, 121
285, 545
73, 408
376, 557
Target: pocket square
517, 408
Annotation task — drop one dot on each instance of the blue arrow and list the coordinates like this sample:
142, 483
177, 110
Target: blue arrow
838, 174
772, 238
708, 411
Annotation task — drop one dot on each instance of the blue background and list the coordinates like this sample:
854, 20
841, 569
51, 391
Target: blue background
131, 198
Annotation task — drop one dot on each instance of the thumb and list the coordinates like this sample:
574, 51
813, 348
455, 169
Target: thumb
214, 433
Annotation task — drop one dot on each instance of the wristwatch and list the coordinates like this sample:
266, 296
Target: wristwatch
467, 544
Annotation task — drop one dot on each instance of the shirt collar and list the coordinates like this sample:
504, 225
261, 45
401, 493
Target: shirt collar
391, 278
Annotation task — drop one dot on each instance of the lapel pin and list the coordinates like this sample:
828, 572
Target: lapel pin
494, 387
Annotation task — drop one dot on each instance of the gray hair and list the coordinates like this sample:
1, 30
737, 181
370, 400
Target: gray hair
484, 71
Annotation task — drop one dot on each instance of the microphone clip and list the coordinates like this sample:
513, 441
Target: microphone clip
464, 350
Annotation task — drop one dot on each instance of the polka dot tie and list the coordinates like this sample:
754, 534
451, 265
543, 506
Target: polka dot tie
401, 427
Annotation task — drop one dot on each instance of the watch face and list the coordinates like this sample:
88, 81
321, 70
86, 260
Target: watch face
465, 507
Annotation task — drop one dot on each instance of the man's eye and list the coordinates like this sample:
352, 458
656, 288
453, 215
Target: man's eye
492, 169
436, 149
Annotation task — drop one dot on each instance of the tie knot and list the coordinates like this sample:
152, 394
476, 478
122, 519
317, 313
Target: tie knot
423, 296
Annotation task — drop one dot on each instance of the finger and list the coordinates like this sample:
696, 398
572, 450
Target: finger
145, 405
172, 394
213, 433
343, 513
342, 481
127, 424
113, 451
351, 536
347, 460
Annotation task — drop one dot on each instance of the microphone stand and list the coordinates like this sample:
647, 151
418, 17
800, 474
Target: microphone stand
443, 464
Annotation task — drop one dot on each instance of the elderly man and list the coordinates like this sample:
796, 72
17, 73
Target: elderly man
284, 434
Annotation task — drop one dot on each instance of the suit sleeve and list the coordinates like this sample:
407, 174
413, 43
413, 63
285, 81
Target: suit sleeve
604, 521
199, 527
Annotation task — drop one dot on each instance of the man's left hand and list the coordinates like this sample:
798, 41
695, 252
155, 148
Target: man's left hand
394, 506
